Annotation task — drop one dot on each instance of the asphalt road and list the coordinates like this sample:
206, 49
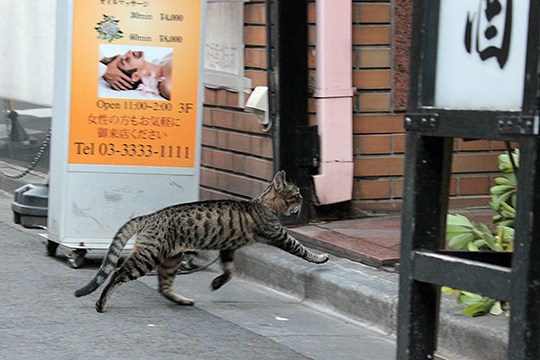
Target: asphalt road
41, 319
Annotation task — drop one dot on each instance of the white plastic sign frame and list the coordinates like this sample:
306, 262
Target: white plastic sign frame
115, 155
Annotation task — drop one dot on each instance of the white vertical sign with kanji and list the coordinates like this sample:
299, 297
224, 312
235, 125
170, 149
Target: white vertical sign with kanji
481, 55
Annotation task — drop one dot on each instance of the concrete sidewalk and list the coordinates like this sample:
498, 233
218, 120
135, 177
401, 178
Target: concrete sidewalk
368, 294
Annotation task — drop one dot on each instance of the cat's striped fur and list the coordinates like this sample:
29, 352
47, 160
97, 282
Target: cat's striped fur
224, 225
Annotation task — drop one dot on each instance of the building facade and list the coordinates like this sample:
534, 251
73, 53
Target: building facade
239, 157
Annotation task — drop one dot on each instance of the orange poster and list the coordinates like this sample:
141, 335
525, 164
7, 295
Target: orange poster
135, 82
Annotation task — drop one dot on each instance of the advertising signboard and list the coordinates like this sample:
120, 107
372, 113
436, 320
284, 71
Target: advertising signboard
127, 114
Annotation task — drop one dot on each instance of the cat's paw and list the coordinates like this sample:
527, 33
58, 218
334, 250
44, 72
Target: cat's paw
217, 283
321, 259
220, 281
100, 308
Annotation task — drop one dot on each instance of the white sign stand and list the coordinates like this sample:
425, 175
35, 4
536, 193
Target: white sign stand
88, 202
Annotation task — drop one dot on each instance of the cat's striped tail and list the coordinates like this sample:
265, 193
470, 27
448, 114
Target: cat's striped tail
113, 254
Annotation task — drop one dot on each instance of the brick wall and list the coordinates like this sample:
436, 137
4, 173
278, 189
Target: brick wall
236, 160
378, 131
237, 155
381, 43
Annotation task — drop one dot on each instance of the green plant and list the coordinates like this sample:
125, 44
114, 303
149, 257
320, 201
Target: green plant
463, 234
476, 305
504, 193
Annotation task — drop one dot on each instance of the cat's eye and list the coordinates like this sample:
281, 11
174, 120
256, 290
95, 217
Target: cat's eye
296, 195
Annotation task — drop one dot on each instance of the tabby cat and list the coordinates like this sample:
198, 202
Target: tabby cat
224, 225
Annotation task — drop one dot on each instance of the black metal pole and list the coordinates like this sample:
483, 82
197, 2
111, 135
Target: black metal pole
524, 342
427, 178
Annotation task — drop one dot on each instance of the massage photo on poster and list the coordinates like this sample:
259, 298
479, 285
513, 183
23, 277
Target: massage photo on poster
135, 72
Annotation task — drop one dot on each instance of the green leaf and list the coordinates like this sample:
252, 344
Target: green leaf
484, 228
457, 225
496, 309
480, 243
477, 309
455, 230
508, 222
458, 220
504, 197
509, 179
491, 241
505, 207
505, 165
506, 234
449, 291
472, 247
459, 242
501, 189
508, 215
469, 298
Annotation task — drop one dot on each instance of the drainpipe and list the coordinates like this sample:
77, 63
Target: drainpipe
334, 94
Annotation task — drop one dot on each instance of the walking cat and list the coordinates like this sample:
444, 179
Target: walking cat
224, 225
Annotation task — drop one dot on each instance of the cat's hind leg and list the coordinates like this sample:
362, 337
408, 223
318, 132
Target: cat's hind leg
227, 263
111, 286
139, 263
166, 272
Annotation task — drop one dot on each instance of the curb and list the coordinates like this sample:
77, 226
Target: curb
355, 292
370, 296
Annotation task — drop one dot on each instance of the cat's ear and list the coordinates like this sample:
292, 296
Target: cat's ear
280, 180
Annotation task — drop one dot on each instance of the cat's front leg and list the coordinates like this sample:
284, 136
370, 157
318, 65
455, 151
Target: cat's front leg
286, 242
227, 263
